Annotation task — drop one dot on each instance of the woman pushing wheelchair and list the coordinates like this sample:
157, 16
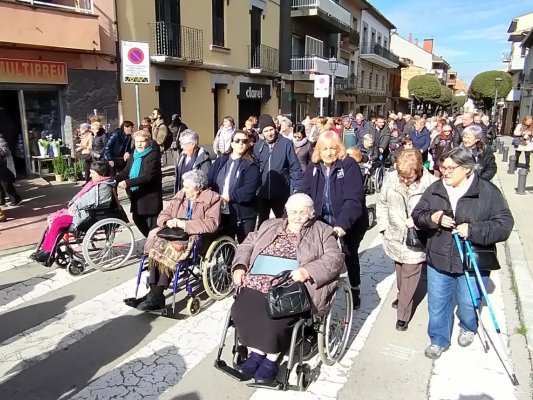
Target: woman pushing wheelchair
299, 243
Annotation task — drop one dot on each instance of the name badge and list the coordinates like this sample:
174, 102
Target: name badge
340, 174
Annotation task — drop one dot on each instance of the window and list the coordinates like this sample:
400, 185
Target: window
376, 83
373, 37
379, 38
218, 22
385, 43
355, 25
383, 83
370, 81
362, 79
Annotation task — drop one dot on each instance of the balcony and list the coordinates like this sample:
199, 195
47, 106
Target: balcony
323, 14
263, 59
451, 82
176, 42
528, 80
379, 55
506, 57
517, 63
346, 84
52, 24
350, 41
316, 65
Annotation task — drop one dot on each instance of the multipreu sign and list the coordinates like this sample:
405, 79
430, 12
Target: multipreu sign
254, 91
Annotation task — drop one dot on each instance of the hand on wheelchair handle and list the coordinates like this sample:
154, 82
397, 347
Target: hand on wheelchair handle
339, 232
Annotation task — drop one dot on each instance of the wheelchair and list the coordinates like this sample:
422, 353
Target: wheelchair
327, 335
208, 265
373, 180
104, 241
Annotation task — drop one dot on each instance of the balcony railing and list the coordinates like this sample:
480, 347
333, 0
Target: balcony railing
506, 57
263, 57
352, 38
346, 84
376, 48
173, 40
84, 6
316, 65
329, 7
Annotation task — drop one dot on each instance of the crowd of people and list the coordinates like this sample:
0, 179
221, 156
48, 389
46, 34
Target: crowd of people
307, 175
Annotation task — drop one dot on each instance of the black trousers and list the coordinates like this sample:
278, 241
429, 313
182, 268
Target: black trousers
158, 279
265, 205
527, 155
241, 229
87, 161
9, 189
145, 223
350, 247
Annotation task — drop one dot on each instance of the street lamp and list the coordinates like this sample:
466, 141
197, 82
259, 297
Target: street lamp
497, 81
333, 63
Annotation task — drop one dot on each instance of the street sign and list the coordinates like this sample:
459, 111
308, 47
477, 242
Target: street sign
321, 86
135, 62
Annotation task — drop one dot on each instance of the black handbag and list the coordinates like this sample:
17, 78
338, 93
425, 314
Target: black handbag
172, 234
286, 300
415, 238
485, 256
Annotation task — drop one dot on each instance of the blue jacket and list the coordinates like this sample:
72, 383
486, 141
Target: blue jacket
347, 193
421, 140
277, 168
117, 144
243, 197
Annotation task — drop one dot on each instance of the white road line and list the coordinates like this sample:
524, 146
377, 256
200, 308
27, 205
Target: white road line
163, 362
34, 345
35, 287
15, 260
375, 267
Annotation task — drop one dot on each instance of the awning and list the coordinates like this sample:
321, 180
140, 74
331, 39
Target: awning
514, 95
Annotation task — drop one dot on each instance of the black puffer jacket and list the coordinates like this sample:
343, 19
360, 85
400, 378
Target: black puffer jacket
482, 207
485, 161
99, 142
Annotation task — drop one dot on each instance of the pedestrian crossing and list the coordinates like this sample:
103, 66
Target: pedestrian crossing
99, 348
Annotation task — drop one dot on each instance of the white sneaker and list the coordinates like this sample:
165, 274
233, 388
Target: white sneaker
465, 337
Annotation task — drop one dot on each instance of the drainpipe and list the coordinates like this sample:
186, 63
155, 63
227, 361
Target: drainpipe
118, 62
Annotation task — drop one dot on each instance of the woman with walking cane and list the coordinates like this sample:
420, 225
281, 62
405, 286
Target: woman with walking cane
476, 211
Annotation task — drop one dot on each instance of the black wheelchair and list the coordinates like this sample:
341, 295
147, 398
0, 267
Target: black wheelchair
104, 241
327, 335
207, 266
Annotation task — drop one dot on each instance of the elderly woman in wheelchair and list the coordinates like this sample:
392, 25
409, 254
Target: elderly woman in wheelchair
98, 192
193, 211
298, 243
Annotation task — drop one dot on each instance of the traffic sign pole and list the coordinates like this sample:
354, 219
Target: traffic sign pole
321, 106
138, 106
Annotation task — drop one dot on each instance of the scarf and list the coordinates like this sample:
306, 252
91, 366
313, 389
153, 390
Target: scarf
299, 143
88, 186
136, 165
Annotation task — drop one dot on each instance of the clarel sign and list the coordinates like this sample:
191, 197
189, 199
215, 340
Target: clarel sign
254, 91
33, 71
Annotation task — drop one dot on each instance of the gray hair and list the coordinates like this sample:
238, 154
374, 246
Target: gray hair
189, 136
462, 157
287, 121
474, 130
197, 177
298, 200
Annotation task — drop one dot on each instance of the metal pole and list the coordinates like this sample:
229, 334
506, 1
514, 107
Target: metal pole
512, 165
522, 177
505, 155
137, 105
333, 94
412, 101
495, 102
321, 106
500, 147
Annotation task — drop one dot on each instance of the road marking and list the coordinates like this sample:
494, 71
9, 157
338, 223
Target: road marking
393, 350
15, 260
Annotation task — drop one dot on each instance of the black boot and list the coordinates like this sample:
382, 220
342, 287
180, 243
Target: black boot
41, 256
356, 298
155, 300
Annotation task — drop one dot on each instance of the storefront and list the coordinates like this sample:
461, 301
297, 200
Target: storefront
250, 96
30, 106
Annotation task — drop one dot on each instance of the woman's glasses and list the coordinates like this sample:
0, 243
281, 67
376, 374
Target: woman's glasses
243, 141
408, 179
448, 168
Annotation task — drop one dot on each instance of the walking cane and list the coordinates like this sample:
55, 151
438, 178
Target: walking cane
508, 367
481, 331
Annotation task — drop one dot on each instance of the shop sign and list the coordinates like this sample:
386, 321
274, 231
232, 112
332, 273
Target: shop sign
254, 91
135, 62
32, 71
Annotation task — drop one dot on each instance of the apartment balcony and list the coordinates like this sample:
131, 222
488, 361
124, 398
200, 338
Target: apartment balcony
173, 42
56, 24
316, 65
323, 14
350, 41
379, 55
347, 85
263, 59
517, 63
506, 57
451, 82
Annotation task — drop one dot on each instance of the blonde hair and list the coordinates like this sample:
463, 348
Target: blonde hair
332, 138
355, 153
143, 134
409, 162
528, 120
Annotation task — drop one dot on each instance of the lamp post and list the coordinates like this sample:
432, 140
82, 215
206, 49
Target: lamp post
412, 103
333, 63
497, 81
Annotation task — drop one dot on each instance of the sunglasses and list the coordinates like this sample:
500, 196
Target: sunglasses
243, 141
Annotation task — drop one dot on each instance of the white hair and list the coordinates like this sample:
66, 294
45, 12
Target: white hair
197, 177
474, 130
189, 136
299, 200
287, 121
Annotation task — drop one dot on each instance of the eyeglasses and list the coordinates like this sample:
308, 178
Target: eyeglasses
447, 130
243, 141
410, 179
448, 168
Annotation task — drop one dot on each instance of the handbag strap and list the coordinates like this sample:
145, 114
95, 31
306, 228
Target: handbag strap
282, 277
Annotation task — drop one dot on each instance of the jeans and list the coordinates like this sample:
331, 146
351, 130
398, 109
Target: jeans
444, 291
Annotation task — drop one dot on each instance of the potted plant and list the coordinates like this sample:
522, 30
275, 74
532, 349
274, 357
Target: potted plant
70, 174
78, 169
55, 144
43, 146
59, 165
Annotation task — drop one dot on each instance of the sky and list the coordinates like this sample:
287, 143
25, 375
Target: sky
470, 35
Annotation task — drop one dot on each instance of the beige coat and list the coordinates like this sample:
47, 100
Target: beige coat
317, 252
391, 214
86, 142
527, 135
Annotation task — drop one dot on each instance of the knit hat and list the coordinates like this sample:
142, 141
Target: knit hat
266, 120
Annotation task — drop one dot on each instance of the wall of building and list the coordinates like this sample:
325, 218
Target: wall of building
374, 23
407, 74
405, 49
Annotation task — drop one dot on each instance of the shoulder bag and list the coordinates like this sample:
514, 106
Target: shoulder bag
414, 237
485, 256
286, 300
172, 234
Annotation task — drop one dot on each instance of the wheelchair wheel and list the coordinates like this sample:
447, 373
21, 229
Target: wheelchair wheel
193, 306
108, 244
62, 256
304, 376
216, 269
334, 330
378, 179
371, 217
75, 268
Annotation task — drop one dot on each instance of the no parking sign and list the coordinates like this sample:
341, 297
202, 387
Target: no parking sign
135, 62
321, 86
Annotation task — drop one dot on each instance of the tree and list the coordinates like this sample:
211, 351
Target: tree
483, 88
425, 89
458, 102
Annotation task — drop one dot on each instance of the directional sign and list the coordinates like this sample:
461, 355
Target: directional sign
135, 62
321, 86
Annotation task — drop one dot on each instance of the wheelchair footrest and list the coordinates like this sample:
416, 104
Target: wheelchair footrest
267, 385
222, 366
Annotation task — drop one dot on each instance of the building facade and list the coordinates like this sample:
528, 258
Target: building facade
57, 69
526, 99
208, 59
